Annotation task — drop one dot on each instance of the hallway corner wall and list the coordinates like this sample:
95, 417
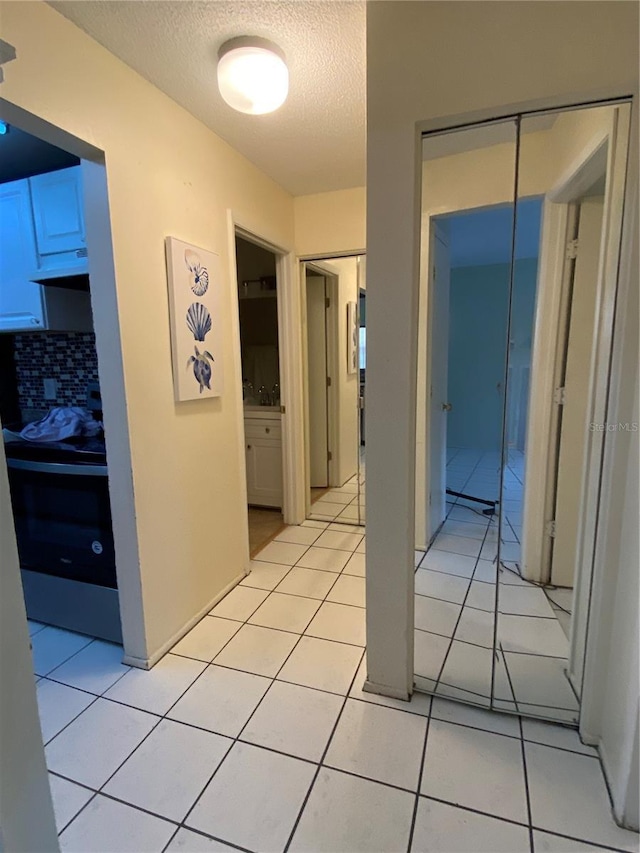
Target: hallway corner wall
167, 175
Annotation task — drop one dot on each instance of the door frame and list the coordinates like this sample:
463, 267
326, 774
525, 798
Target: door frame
324, 389
424, 533
333, 402
289, 350
551, 313
104, 306
429, 272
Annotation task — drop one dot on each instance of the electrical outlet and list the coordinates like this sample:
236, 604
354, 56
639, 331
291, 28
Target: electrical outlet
50, 389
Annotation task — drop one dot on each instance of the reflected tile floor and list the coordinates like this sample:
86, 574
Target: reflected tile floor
456, 601
346, 504
255, 734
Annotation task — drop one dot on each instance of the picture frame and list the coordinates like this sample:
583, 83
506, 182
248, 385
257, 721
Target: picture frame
194, 280
352, 337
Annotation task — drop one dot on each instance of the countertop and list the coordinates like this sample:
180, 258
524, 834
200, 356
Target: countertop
270, 412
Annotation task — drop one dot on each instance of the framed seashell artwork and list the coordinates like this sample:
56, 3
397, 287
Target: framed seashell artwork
193, 277
353, 337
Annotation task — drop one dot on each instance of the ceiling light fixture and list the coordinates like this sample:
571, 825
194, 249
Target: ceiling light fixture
253, 76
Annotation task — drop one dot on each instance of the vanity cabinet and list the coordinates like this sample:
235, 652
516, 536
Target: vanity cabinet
263, 450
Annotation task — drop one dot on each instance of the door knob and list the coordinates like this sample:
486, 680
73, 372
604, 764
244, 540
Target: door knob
446, 407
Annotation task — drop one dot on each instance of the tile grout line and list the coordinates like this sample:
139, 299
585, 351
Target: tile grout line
95, 696
526, 785
444, 662
414, 815
90, 642
205, 835
323, 756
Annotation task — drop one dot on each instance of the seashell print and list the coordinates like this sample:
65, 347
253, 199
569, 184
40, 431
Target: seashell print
199, 274
201, 368
198, 320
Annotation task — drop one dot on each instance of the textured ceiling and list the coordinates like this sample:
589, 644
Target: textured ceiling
316, 141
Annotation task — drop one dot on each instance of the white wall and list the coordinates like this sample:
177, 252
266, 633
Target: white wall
330, 223
26, 813
427, 66
167, 175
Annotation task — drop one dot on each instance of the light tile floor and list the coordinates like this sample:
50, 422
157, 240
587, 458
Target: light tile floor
254, 734
345, 504
457, 596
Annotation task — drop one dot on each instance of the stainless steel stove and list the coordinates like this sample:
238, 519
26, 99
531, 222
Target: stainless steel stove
62, 514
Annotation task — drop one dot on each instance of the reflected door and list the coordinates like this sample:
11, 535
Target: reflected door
334, 388
574, 396
439, 405
317, 381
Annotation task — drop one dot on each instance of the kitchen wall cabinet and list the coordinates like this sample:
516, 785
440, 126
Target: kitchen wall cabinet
263, 449
25, 305
21, 304
58, 218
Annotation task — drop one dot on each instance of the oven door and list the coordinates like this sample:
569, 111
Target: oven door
62, 517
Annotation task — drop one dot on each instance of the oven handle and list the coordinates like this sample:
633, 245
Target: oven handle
58, 468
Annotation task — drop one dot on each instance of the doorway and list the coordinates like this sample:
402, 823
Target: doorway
319, 378
333, 291
50, 396
470, 281
260, 358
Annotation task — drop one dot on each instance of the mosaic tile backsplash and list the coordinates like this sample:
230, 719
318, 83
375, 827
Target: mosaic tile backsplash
68, 357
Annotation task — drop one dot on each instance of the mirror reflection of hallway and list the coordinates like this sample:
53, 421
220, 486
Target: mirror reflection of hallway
334, 292
517, 343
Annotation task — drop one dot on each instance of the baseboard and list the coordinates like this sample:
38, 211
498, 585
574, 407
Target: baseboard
152, 660
385, 690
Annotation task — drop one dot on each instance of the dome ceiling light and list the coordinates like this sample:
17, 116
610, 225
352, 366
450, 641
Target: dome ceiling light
253, 76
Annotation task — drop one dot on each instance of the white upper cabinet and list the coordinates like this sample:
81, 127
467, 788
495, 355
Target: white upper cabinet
21, 304
24, 304
58, 219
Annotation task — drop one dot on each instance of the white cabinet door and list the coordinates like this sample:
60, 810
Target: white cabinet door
58, 211
264, 472
21, 303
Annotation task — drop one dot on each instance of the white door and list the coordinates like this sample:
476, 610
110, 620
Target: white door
438, 348
317, 379
574, 411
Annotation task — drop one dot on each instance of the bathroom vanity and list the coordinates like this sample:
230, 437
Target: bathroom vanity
263, 451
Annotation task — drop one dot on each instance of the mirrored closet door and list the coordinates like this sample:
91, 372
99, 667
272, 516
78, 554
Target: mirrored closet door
520, 236
334, 312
